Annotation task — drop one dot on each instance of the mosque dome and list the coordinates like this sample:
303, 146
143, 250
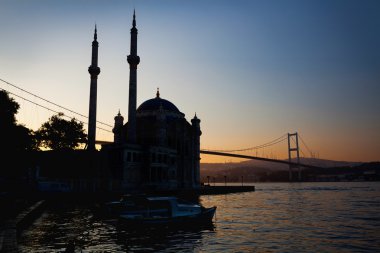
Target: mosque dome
157, 103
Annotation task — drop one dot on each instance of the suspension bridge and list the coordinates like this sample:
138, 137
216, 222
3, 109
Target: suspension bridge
293, 146
294, 140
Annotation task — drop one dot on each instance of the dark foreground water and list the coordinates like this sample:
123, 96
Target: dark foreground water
281, 217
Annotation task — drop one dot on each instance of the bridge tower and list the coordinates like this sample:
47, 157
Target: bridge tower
291, 149
94, 71
133, 60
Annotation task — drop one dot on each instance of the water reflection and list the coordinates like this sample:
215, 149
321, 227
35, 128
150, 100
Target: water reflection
75, 226
301, 217
162, 237
304, 217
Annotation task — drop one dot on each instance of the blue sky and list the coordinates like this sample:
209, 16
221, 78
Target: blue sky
251, 70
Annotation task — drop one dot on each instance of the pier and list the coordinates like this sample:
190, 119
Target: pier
12, 227
213, 190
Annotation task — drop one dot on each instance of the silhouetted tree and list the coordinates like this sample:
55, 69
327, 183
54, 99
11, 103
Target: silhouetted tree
8, 109
61, 134
14, 137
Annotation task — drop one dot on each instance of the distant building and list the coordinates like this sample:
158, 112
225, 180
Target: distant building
157, 148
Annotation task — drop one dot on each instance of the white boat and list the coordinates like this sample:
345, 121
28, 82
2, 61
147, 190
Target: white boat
141, 210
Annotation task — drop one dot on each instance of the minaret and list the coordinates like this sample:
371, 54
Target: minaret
133, 60
161, 124
117, 138
195, 123
94, 71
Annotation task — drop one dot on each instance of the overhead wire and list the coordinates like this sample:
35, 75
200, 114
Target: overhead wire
271, 143
50, 109
62, 107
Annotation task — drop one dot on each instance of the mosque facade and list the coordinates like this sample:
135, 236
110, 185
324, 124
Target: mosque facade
157, 148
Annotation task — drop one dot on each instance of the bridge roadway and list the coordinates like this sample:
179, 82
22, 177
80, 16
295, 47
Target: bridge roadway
207, 152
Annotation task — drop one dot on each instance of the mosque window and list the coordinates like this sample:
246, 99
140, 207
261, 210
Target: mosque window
153, 157
139, 157
159, 158
133, 157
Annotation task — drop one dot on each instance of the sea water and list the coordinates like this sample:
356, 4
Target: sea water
277, 217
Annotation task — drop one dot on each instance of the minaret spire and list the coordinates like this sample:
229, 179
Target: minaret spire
134, 19
133, 60
95, 34
94, 71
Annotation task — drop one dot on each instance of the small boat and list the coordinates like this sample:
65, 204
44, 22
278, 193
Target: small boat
142, 210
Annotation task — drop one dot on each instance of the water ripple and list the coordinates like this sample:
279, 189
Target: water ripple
302, 217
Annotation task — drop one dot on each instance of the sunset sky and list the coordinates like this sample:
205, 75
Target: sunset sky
251, 70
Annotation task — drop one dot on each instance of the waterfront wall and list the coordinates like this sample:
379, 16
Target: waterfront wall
11, 228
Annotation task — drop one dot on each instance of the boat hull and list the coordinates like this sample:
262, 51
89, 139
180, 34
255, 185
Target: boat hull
205, 217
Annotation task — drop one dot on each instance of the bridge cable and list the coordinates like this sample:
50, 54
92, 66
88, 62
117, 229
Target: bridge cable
311, 153
271, 143
294, 142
